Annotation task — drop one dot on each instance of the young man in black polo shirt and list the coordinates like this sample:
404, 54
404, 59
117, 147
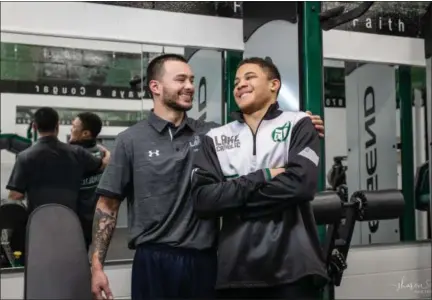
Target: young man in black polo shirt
151, 165
51, 171
84, 132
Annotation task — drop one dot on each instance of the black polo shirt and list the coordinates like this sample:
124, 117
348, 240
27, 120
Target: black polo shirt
51, 171
151, 166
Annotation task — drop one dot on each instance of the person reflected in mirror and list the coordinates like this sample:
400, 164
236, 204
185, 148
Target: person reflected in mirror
259, 174
51, 171
151, 164
84, 133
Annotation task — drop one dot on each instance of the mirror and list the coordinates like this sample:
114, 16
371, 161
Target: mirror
95, 77
92, 76
362, 112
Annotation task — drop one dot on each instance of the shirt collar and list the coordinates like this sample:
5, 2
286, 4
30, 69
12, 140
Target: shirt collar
47, 138
160, 124
90, 143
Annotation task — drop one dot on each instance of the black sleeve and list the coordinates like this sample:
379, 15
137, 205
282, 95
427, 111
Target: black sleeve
90, 162
18, 180
299, 182
212, 194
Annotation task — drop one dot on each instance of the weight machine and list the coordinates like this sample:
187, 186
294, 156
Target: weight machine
15, 143
330, 208
13, 217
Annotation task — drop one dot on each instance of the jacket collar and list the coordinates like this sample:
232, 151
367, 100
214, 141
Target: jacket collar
85, 143
272, 113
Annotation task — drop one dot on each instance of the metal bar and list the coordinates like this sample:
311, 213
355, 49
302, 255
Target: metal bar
429, 123
408, 223
103, 39
312, 75
312, 86
232, 60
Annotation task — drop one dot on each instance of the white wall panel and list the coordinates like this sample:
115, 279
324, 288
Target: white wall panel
131, 25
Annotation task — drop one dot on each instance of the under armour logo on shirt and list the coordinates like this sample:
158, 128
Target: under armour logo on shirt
151, 153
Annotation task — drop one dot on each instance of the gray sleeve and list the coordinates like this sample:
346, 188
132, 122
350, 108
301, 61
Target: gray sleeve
18, 180
89, 162
117, 175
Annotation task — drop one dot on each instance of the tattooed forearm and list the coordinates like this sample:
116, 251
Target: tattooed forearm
103, 227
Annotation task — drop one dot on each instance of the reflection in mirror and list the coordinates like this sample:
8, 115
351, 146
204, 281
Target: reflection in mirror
207, 66
84, 77
89, 78
366, 128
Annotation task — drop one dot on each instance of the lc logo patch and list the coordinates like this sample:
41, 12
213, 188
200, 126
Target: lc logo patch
280, 134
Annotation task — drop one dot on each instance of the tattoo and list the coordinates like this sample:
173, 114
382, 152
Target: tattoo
103, 227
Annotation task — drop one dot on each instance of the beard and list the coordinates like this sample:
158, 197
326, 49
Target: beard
171, 100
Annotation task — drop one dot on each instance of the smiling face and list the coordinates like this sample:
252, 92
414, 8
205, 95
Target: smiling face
175, 86
253, 88
77, 131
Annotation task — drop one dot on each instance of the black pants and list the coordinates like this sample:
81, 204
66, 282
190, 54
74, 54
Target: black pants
87, 226
301, 290
164, 272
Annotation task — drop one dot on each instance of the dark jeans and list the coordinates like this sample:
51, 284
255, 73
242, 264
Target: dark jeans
164, 272
300, 290
87, 226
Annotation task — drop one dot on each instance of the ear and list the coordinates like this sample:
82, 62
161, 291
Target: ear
86, 133
154, 87
275, 85
34, 126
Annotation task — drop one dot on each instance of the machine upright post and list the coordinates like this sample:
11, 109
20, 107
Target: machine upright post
232, 60
312, 85
311, 74
408, 223
427, 29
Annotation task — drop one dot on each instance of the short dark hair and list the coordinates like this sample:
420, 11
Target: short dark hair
266, 64
46, 119
91, 122
155, 67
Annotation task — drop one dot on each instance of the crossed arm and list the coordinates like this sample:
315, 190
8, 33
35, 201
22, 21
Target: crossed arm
213, 196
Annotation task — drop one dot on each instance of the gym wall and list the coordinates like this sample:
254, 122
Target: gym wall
127, 25
38, 27
226, 33
31, 23
335, 114
72, 76
345, 129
